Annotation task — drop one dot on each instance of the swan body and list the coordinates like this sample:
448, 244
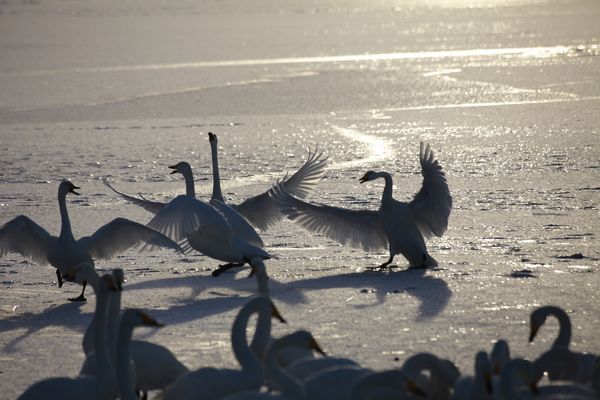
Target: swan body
290, 389
260, 210
538, 318
100, 386
398, 226
64, 252
384, 385
304, 369
213, 383
334, 382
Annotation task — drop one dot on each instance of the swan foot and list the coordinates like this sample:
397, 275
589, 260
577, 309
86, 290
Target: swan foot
225, 267
78, 298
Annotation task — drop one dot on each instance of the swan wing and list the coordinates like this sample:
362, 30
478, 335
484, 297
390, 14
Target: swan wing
24, 236
357, 228
262, 212
432, 204
148, 205
185, 214
241, 227
122, 234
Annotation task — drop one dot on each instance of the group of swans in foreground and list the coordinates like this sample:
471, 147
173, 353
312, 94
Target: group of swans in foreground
226, 232
116, 366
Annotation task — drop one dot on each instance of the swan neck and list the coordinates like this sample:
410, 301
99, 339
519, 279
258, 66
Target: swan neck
190, 188
104, 368
262, 334
388, 188
114, 309
65, 229
247, 359
123, 361
564, 331
216, 193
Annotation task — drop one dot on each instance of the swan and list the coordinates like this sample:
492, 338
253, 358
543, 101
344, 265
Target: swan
560, 364
519, 382
153, 366
64, 252
102, 385
130, 319
443, 375
478, 387
499, 356
290, 389
303, 369
260, 210
399, 226
538, 317
334, 382
216, 383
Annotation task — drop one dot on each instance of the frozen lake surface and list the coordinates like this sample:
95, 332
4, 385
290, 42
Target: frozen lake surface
508, 95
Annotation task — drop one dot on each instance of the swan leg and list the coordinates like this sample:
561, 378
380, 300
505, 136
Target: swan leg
225, 267
80, 297
60, 281
388, 262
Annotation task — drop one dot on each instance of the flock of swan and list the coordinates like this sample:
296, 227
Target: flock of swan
288, 367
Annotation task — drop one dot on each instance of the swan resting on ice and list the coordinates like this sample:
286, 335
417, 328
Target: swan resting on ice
398, 226
24, 236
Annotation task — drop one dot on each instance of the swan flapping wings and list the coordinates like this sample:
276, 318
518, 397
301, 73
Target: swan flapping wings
262, 212
431, 206
356, 228
149, 205
24, 236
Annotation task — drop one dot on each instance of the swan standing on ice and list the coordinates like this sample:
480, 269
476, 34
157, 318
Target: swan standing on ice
100, 386
260, 210
64, 252
215, 383
399, 226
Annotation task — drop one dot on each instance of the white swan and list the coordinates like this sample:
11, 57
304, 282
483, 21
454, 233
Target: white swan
153, 366
290, 389
102, 385
400, 227
64, 252
443, 375
478, 387
216, 383
129, 320
563, 340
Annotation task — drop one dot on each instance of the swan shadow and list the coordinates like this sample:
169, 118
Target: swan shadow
433, 293
228, 280
66, 315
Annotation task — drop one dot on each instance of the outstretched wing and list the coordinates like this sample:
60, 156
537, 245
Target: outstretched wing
432, 204
27, 238
241, 227
262, 212
151, 206
122, 234
357, 228
184, 215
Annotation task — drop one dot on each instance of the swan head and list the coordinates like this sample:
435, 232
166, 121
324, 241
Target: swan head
118, 278
369, 176
67, 187
212, 138
180, 168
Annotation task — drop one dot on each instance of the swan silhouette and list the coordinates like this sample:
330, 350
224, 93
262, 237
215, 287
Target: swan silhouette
398, 226
24, 236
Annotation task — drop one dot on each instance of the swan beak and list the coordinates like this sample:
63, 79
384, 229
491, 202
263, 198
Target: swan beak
149, 321
313, 345
363, 179
73, 190
174, 168
212, 137
275, 314
533, 331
